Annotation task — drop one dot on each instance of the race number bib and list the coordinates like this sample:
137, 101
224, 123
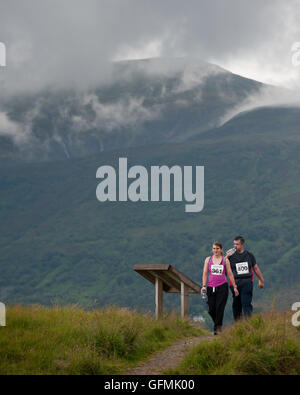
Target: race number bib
242, 268
217, 269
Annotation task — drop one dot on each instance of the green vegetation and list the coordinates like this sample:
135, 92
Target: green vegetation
60, 245
262, 345
68, 340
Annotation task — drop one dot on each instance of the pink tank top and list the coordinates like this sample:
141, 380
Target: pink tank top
217, 273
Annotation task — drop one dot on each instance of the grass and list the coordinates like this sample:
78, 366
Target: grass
69, 340
265, 344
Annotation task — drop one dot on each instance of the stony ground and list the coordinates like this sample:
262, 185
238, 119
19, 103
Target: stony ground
168, 358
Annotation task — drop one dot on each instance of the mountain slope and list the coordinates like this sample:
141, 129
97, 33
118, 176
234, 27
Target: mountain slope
265, 122
60, 244
143, 102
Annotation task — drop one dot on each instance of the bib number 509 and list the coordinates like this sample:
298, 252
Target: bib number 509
242, 268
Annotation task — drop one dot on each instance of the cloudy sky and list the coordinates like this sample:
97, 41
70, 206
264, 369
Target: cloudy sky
59, 42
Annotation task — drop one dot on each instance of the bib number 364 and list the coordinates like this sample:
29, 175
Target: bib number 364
242, 268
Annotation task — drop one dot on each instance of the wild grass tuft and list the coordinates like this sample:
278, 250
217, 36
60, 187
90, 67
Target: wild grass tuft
265, 344
69, 340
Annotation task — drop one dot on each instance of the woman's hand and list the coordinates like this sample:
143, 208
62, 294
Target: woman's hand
203, 288
236, 292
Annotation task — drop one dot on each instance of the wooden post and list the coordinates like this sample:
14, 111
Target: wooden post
184, 301
158, 297
2, 314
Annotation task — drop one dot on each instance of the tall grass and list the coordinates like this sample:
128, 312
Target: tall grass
264, 344
69, 340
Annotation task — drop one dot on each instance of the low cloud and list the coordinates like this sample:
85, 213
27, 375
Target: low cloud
194, 75
9, 128
267, 96
122, 114
69, 43
78, 111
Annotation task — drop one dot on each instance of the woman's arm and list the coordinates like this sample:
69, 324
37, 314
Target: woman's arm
205, 273
231, 277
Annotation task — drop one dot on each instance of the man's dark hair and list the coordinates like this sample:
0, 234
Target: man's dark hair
240, 238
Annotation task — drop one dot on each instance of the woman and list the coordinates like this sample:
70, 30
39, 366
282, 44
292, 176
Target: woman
217, 289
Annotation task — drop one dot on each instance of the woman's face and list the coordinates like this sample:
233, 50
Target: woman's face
216, 250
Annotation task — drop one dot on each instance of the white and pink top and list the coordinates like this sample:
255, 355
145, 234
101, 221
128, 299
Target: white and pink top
217, 273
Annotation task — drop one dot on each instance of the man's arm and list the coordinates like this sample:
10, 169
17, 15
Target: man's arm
257, 271
259, 275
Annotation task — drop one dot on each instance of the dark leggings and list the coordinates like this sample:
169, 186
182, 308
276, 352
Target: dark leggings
216, 299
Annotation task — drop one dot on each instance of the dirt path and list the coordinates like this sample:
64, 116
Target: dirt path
168, 358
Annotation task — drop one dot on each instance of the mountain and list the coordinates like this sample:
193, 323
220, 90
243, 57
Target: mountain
60, 244
142, 102
265, 122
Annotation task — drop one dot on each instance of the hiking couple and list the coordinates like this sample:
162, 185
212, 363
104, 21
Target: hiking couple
238, 265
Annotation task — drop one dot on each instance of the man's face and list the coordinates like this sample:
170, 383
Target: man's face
238, 245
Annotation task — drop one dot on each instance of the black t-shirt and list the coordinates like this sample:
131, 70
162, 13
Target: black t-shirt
242, 264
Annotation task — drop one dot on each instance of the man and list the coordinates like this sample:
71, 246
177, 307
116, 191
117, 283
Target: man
243, 264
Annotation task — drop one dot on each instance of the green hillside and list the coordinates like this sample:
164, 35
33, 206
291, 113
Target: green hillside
59, 244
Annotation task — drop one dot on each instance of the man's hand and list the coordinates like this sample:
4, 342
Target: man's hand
229, 253
261, 284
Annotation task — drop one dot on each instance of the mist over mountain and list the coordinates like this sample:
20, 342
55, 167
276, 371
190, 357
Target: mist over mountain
60, 244
143, 102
